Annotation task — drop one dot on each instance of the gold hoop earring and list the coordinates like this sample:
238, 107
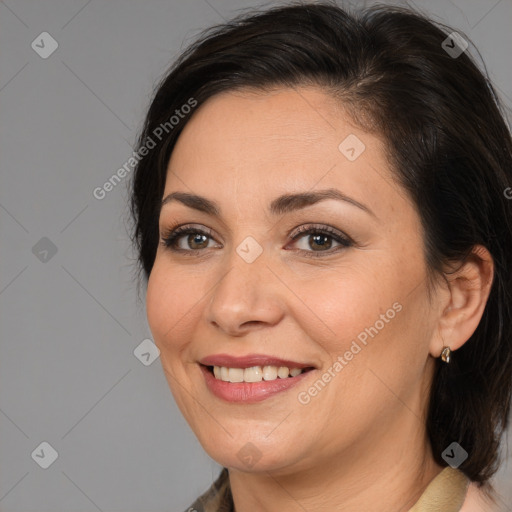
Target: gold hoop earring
446, 354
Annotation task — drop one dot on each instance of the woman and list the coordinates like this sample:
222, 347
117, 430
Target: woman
321, 218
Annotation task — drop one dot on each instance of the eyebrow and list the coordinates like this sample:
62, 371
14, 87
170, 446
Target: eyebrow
283, 204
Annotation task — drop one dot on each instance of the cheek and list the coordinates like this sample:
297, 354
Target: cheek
169, 304
383, 340
365, 317
347, 303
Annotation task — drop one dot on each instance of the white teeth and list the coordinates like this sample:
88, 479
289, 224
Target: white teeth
283, 372
254, 374
269, 372
236, 375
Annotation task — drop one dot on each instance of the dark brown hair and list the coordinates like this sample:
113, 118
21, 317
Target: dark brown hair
447, 142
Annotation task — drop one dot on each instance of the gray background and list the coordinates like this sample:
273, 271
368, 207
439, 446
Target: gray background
69, 325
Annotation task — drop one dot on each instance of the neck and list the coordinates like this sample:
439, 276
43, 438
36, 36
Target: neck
389, 479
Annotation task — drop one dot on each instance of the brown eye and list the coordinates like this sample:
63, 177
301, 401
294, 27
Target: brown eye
320, 240
196, 240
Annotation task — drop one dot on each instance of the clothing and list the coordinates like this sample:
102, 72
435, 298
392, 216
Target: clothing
445, 493
217, 498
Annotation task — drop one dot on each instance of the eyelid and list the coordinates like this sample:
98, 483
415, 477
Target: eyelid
174, 233
318, 227
164, 232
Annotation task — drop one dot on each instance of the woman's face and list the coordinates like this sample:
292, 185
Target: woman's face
239, 286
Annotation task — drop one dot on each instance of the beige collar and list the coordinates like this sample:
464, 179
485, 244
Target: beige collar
446, 492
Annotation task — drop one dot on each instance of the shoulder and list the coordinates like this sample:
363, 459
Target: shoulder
217, 497
478, 500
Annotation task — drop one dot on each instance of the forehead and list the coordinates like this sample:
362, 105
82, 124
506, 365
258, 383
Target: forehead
279, 121
244, 145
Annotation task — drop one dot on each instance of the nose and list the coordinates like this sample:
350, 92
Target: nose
248, 296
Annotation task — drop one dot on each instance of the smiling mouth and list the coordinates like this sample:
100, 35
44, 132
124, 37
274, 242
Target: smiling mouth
255, 373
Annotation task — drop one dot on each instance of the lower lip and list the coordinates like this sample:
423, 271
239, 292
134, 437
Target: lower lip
249, 392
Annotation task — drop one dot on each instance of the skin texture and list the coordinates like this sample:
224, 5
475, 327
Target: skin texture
360, 443
477, 500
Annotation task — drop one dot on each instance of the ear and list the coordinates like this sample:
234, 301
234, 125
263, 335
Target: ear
463, 301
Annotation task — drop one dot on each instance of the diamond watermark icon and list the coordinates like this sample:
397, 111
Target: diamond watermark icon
352, 147
44, 250
249, 249
44, 45
249, 454
146, 352
45, 455
454, 45
455, 455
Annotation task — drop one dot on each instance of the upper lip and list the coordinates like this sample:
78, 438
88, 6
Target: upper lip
250, 360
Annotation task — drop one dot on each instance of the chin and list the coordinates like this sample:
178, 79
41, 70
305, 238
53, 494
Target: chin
252, 456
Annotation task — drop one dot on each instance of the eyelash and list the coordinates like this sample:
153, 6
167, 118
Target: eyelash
171, 236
